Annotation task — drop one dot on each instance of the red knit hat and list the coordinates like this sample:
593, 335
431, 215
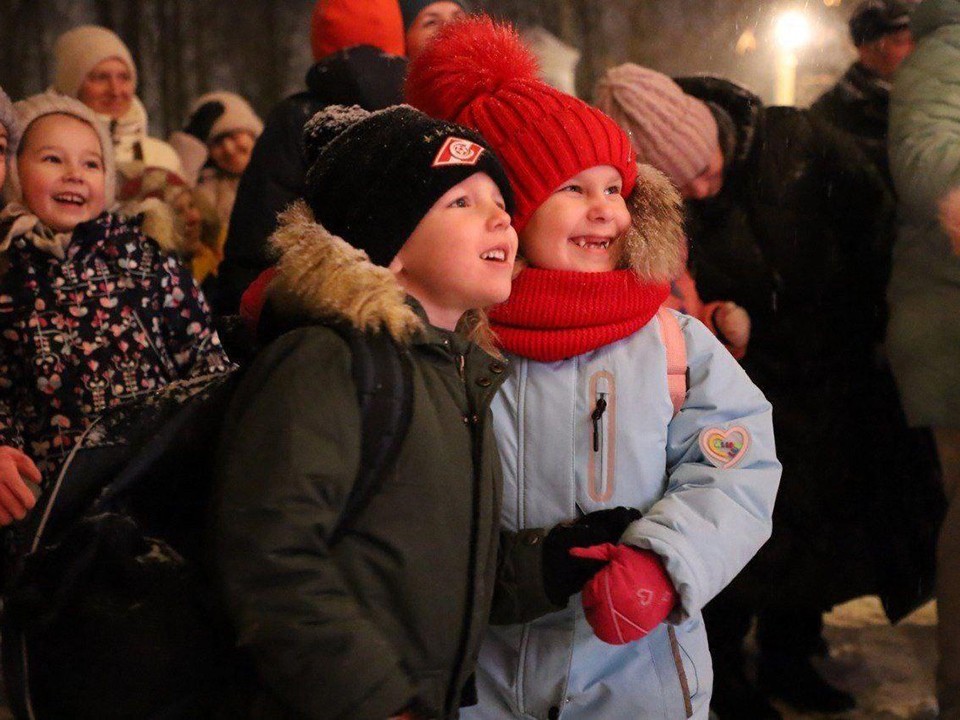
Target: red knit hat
478, 73
340, 24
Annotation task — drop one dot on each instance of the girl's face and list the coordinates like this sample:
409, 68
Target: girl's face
231, 152
108, 88
61, 171
460, 256
580, 226
4, 145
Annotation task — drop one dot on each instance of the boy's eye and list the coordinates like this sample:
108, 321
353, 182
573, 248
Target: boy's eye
93, 164
51, 159
460, 202
502, 205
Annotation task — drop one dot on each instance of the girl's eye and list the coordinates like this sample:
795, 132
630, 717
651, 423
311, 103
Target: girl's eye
51, 159
572, 188
613, 190
502, 205
93, 164
460, 202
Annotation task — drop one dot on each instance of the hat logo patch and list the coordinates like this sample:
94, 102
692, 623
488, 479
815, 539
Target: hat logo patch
457, 151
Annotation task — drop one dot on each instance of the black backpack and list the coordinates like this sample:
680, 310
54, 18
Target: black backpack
111, 612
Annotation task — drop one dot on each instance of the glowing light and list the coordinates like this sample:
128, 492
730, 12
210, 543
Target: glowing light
792, 30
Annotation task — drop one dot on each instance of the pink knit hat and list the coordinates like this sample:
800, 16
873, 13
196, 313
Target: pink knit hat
673, 131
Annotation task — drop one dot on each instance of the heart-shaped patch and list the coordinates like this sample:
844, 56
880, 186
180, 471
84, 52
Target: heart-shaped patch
725, 448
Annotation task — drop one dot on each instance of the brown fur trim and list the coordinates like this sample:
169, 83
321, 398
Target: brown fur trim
322, 276
654, 246
160, 223
950, 218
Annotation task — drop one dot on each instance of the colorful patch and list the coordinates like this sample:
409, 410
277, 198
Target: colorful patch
725, 448
457, 151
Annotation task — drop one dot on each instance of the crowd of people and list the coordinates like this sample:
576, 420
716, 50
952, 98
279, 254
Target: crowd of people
509, 405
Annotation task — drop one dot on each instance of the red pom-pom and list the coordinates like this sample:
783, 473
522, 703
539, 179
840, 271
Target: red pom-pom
467, 60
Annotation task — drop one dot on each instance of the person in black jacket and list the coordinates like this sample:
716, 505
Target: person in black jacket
359, 47
788, 219
860, 101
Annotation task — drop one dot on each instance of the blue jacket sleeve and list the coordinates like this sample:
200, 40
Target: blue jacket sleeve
717, 508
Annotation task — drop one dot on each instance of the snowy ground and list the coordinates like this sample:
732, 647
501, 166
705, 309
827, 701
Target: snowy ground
890, 670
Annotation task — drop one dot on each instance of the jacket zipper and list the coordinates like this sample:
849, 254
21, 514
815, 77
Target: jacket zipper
603, 418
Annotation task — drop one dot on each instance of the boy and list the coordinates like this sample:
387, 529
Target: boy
405, 229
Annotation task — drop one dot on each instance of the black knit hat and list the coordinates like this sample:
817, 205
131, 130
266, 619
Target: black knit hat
872, 19
373, 176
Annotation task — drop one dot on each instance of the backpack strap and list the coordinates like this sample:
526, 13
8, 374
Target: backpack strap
383, 375
676, 348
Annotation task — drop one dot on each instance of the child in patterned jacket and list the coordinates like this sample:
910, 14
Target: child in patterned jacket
93, 312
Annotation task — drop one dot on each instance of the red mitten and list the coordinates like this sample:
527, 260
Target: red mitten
629, 597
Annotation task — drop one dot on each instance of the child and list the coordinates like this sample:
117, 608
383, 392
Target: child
92, 313
586, 418
215, 147
405, 230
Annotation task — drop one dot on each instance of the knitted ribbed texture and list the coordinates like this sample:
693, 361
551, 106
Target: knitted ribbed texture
670, 130
557, 314
479, 73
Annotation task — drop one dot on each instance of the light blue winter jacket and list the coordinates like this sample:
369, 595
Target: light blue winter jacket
703, 521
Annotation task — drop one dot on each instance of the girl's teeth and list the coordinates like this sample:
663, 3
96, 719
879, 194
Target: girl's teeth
499, 255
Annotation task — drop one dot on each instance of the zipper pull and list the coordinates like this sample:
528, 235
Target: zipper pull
596, 415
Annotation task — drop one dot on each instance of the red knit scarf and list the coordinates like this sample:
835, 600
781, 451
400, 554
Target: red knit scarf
556, 314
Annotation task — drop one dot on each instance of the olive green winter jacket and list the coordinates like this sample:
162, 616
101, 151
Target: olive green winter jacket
391, 616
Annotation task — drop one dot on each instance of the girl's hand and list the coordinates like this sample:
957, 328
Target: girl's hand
19, 485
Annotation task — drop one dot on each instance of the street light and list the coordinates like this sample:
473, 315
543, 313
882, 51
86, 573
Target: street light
792, 31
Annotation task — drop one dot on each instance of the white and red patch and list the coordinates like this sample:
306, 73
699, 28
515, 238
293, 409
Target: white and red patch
457, 151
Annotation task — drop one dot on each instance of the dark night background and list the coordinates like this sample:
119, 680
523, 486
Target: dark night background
261, 49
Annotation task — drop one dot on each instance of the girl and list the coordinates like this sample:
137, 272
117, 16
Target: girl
588, 418
92, 311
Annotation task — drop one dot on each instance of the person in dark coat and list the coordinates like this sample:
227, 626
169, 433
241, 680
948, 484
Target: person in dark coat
788, 219
860, 101
359, 48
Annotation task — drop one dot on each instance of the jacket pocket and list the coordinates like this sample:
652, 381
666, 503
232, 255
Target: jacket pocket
603, 425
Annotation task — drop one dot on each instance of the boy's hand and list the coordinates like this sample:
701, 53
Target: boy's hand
629, 597
563, 574
733, 322
19, 485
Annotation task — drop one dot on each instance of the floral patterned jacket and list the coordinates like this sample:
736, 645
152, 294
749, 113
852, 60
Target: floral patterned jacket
114, 319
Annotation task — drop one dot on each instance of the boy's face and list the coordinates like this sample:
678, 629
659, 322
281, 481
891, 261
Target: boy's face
108, 88
580, 226
4, 145
61, 171
460, 256
428, 23
231, 151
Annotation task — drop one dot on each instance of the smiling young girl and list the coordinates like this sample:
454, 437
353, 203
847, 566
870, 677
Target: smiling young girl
92, 312
610, 402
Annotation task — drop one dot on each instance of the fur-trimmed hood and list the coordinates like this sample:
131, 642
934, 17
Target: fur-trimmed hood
655, 245
320, 276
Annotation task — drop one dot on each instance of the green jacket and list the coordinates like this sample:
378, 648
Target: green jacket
924, 291
393, 614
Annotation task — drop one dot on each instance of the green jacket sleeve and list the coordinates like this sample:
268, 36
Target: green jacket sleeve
288, 459
924, 133
519, 595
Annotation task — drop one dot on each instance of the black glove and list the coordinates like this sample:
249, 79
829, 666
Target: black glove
564, 575
202, 120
